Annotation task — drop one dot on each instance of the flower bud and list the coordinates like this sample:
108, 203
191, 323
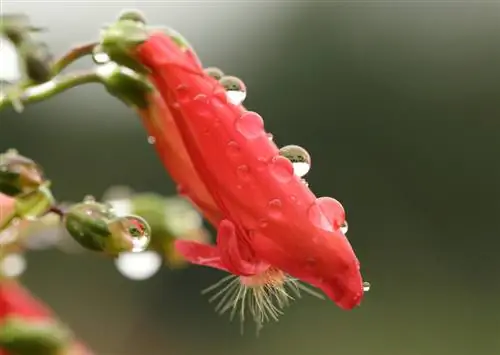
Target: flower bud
95, 227
19, 175
26, 337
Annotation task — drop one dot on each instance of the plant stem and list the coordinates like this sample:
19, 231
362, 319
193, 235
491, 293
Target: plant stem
73, 55
55, 86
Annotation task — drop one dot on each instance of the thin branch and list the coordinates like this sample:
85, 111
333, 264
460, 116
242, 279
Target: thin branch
73, 55
51, 88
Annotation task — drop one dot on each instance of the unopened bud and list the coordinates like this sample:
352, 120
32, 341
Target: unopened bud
26, 337
19, 175
95, 227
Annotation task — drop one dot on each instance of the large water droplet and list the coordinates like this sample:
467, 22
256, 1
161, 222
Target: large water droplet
235, 89
281, 168
299, 157
366, 286
138, 230
326, 213
138, 266
344, 228
250, 125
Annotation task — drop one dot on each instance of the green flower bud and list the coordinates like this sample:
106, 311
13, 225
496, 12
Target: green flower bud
19, 175
95, 227
41, 337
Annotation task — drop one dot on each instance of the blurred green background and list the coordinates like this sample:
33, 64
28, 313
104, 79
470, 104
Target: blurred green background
398, 105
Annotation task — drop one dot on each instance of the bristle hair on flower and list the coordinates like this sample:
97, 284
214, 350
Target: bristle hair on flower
262, 297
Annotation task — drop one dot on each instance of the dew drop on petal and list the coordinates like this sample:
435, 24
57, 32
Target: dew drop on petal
243, 172
13, 265
138, 266
299, 157
274, 208
151, 140
326, 213
366, 286
236, 91
139, 231
344, 227
233, 149
282, 169
250, 125
270, 136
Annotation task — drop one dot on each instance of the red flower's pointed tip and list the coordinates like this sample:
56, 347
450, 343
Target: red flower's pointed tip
346, 289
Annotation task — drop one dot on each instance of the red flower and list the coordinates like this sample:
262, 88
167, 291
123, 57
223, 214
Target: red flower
168, 143
17, 303
273, 224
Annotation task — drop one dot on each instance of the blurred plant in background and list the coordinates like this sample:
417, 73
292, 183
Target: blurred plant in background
29, 224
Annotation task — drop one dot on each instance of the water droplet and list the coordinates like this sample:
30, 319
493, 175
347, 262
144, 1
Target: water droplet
366, 286
235, 89
282, 169
274, 208
293, 198
100, 58
250, 125
138, 266
138, 230
151, 140
304, 181
89, 199
299, 157
214, 72
13, 265
233, 149
326, 213
270, 136
344, 228
243, 172
182, 94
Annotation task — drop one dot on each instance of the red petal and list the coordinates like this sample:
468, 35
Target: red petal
200, 254
229, 245
169, 145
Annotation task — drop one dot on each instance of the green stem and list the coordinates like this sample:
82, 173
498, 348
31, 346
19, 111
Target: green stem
52, 88
73, 55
